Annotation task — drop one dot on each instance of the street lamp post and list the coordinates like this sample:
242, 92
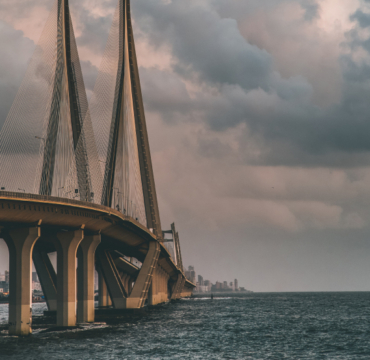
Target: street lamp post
59, 189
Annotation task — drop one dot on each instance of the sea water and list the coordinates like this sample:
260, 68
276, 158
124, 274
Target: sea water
249, 326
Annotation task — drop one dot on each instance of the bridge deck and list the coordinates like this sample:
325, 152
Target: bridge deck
18, 209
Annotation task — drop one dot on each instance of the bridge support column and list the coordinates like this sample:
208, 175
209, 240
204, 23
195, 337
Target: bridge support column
140, 291
67, 244
104, 298
47, 276
178, 287
85, 278
159, 288
112, 279
20, 244
126, 281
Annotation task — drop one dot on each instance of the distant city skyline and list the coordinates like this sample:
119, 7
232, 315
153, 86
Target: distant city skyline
205, 286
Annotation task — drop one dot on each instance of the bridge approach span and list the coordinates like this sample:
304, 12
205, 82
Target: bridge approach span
133, 266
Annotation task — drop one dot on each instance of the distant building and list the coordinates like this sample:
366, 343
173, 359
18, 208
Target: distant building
4, 286
202, 288
200, 280
225, 285
7, 276
236, 287
231, 285
35, 278
190, 275
2, 277
36, 286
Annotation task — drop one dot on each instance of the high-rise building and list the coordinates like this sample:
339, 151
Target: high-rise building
193, 277
236, 285
225, 285
190, 275
200, 280
2, 277
7, 276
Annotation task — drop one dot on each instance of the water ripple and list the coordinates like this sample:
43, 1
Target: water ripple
255, 326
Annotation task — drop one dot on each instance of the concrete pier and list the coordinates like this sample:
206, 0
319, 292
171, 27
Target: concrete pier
159, 288
85, 278
20, 244
67, 244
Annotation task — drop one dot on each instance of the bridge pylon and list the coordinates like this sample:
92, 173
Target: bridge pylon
79, 182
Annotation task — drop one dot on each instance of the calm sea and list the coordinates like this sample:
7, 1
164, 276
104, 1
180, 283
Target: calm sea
253, 326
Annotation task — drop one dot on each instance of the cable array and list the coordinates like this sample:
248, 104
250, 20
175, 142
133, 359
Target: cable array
113, 120
53, 143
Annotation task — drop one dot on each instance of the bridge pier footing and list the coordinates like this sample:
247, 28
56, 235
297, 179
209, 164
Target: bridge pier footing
85, 278
20, 244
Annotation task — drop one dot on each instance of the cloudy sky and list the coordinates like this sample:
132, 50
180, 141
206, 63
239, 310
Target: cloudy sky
259, 123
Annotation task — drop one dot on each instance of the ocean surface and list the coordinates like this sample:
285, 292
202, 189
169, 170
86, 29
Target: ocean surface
249, 326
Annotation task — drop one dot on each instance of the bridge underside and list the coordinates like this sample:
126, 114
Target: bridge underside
134, 268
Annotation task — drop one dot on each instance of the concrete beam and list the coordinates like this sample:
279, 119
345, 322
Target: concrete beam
126, 267
112, 279
47, 276
140, 291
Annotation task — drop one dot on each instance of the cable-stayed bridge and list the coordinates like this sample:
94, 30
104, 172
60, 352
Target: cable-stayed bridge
77, 179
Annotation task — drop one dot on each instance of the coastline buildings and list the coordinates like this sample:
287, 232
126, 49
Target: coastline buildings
4, 282
205, 286
190, 274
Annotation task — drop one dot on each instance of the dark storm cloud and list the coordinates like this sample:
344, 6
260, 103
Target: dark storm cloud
94, 29
362, 18
311, 9
205, 44
236, 9
248, 90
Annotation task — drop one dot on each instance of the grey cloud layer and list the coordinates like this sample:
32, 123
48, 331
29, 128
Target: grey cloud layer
246, 88
13, 65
